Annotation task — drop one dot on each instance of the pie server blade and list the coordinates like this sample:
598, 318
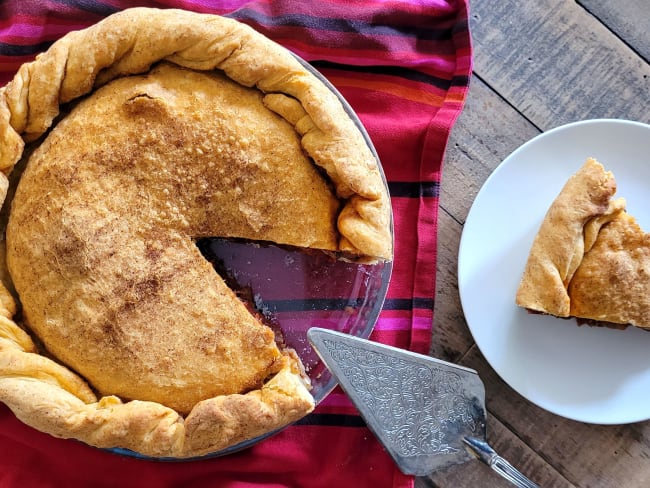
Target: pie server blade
427, 413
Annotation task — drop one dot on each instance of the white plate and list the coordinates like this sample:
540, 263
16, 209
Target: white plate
591, 374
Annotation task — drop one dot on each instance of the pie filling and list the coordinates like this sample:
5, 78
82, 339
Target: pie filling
583, 321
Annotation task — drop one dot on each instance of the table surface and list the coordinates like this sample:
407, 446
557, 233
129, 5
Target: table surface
538, 64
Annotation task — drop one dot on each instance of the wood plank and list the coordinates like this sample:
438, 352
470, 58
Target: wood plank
451, 338
526, 51
486, 132
537, 65
629, 19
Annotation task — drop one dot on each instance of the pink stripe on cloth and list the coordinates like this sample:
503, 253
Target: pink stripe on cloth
422, 322
439, 65
401, 13
25, 33
404, 67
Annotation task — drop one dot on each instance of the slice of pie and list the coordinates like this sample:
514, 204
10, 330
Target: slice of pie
180, 126
590, 259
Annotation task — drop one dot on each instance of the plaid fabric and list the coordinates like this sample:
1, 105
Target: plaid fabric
404, 66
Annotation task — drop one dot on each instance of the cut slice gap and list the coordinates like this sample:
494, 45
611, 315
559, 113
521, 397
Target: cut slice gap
295, 288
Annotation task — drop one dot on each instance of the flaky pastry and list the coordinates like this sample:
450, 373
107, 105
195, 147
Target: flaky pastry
193, 126
590, 259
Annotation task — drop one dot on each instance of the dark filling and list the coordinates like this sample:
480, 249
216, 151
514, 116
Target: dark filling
243, 292
234, 258
581, 321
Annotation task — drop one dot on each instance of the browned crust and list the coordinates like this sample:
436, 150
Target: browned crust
612, 283
133, 40
106, 253
589, 259
50, 398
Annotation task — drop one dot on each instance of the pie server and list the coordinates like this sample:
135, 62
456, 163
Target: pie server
427, 413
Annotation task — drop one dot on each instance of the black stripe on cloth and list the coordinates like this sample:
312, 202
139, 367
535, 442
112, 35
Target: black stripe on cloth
342, 25
27, 50
306, 305
332, 420
408, 303
302, 305
91, 6
397, 71
460, 80
414, 189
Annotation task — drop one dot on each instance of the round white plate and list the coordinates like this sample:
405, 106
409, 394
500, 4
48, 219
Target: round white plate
591, 374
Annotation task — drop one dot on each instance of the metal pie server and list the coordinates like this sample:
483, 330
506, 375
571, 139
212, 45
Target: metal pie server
427, 413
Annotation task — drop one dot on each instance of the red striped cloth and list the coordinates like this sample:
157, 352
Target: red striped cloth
404, 67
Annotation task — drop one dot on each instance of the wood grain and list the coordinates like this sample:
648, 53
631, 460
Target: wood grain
537, 65
556, 63
487, 131
628, 19
451, 337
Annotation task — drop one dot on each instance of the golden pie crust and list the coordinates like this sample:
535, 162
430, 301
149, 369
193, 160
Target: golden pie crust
179, 126
590, 259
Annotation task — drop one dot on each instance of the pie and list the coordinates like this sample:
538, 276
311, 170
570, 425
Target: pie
152, 129
590, 259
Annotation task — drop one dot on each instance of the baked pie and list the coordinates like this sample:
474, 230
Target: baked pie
590, 259
152, 129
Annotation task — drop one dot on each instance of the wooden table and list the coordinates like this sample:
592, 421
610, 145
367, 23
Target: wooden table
538, 64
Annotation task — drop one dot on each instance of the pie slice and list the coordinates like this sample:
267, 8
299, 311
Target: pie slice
180, 126
590, 259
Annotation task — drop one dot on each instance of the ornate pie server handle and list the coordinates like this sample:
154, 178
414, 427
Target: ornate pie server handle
485, 453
